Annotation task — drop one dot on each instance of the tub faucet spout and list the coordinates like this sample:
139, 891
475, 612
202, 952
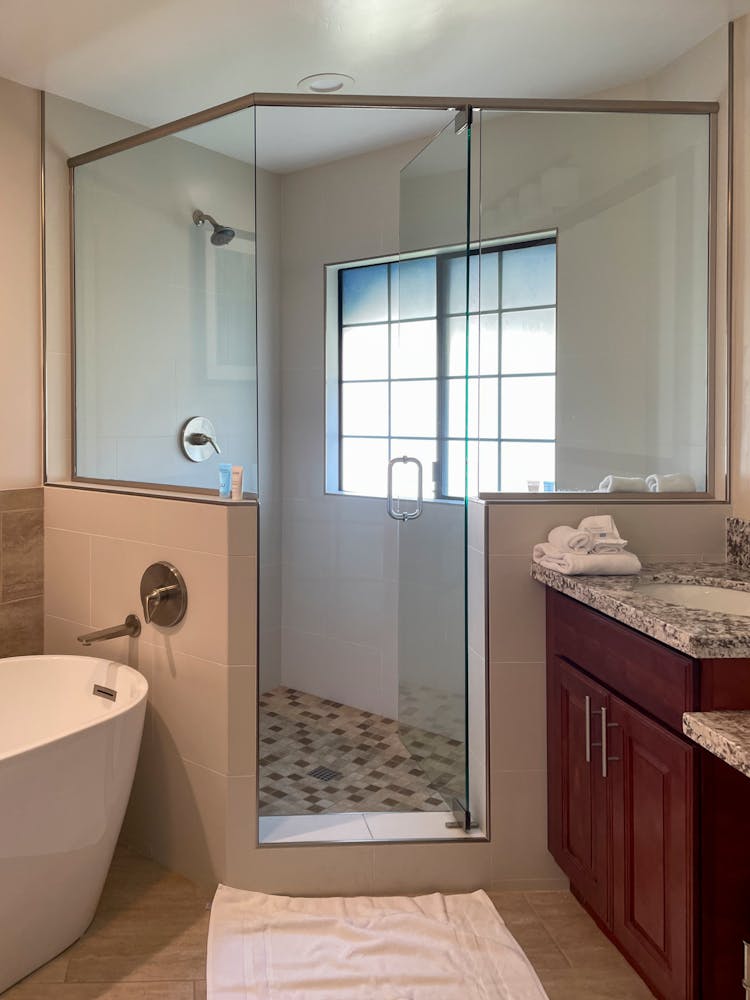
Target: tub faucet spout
131, 627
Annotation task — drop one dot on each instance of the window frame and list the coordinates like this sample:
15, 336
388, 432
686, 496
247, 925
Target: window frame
334, 328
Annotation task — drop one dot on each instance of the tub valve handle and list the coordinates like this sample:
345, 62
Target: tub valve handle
163, 595
153, 599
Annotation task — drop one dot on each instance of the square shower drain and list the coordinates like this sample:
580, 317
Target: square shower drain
324, 774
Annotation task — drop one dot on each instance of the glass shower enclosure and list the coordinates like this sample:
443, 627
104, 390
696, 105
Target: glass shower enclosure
434, 212
318, 279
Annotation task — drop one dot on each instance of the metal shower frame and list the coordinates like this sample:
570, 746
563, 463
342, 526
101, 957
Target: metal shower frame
447, 104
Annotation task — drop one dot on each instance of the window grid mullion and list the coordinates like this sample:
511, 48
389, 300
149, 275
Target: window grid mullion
390, 346
443, 385
340, 389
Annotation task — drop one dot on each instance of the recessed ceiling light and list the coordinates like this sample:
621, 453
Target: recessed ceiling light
325, 83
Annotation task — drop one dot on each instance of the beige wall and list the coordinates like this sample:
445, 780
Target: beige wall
740, 426
340, 553
20, 329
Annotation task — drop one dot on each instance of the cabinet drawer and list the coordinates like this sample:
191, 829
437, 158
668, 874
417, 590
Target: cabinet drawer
658, 679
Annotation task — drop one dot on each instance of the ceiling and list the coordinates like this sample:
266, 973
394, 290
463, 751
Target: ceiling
151, 61
288, 139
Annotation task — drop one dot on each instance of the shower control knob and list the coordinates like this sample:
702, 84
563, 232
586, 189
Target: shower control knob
163, 595
198, 439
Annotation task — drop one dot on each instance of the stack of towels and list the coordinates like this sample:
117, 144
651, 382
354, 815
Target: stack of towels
672, 482
594, 548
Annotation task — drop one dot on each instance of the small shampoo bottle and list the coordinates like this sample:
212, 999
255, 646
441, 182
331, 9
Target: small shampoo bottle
237, 471
225, 480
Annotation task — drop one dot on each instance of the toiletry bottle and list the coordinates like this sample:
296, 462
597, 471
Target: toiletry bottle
237, 471
225, 479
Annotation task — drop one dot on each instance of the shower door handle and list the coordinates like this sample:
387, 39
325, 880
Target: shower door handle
392, 506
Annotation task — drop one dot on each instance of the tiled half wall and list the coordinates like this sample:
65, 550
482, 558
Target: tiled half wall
194, 801
21, 571
201, 673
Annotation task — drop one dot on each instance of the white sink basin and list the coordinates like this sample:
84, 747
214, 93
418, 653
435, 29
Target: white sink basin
690, 595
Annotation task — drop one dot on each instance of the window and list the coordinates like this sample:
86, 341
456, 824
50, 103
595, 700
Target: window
403, 359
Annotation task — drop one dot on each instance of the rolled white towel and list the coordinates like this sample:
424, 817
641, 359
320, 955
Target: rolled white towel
610, 545
604, 534
623, 484
566, 537
582, 564
672, 482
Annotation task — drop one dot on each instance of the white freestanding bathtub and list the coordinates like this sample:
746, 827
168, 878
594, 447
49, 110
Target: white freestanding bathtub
67, 760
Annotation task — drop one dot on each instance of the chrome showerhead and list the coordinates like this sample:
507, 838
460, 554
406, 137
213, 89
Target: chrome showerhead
221, 234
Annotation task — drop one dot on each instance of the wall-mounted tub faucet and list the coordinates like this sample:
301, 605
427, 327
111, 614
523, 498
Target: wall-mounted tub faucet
130, 627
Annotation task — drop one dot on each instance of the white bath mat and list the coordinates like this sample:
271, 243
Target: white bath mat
390, 948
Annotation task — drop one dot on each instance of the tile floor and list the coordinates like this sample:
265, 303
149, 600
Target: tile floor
148, 942
381, 765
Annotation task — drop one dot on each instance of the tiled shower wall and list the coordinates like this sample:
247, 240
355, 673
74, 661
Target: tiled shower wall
21, 572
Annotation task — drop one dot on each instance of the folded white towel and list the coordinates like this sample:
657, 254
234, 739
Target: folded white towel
599, 525
566, 537
672, 482
623, 484
604, 534
582, 564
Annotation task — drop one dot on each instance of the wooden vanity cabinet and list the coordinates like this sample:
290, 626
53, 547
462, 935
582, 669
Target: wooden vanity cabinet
637, 817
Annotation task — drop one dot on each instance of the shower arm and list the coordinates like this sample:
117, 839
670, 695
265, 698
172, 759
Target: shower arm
200, 217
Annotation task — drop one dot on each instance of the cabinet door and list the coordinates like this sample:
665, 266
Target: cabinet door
652, 849
577, 793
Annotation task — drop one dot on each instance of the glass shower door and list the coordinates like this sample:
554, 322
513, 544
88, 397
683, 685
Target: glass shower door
427, 493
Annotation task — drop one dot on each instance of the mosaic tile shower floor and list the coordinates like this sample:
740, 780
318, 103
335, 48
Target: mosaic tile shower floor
381, 766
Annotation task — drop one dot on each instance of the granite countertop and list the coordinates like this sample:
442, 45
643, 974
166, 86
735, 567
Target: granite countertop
698, 633
724, 734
